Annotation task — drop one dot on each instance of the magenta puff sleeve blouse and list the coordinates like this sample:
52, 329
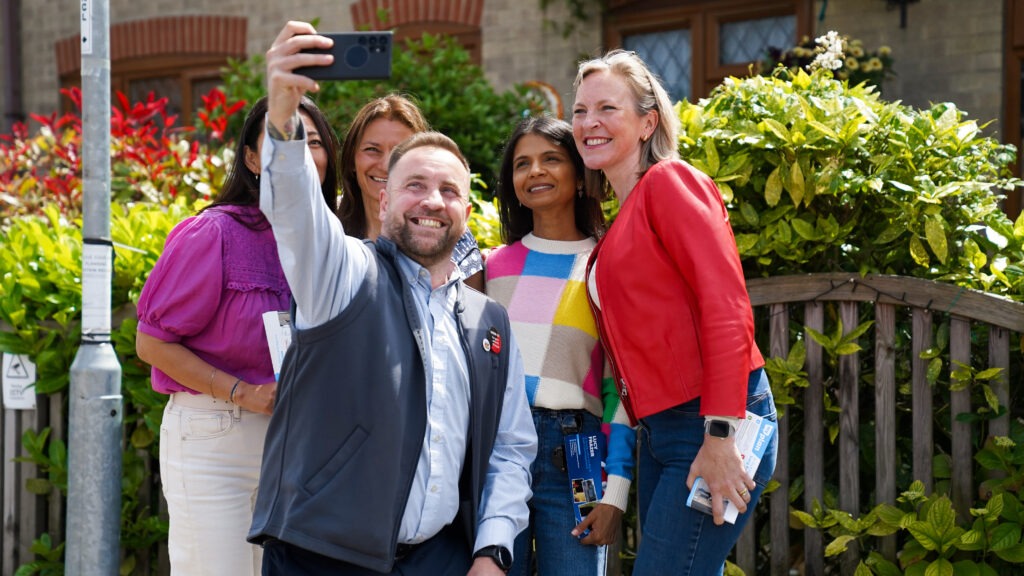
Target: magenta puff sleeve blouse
209, 290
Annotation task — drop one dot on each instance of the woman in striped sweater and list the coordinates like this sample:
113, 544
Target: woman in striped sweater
550, 224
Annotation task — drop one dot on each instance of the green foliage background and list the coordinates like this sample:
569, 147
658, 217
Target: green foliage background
817, 175
821, 176
437, 74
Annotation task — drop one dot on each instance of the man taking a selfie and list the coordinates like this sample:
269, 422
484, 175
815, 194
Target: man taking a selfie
401, 439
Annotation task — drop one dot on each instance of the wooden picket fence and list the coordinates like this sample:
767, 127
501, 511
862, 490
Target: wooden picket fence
780, 303
924, 304
25, 514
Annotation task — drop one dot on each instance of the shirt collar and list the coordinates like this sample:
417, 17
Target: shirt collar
415, 273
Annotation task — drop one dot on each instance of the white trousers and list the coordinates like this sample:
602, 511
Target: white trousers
210, 453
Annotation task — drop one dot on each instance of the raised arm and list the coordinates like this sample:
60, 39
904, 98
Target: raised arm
323, 266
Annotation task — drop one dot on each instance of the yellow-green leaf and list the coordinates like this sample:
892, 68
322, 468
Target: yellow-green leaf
988, 374
776, 128
711, 154
940, 567
934, 370
848, 348
801, 517
726, 191
935, 232
823, 129
990, 397
917, 252
804, 229
891, 232
838, 546
796, 183
39, 486
737, 163
773, 188
749, 214
142, 437
745, 243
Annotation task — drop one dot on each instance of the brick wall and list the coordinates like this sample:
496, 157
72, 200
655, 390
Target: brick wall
517, 47
950, 50
4, 124
46, 22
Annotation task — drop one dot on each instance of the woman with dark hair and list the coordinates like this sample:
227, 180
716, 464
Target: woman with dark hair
550, 223
379, 126
201, 329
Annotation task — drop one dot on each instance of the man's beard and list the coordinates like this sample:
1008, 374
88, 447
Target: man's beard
425, 251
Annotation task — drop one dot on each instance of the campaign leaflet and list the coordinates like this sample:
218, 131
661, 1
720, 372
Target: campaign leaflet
583, 463
278, 326
752, 439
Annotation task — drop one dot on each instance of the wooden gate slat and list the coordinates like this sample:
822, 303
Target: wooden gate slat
999, 357
814, 439
11, 491
960, 403
779, 511
849, 432
885, 415
922, 398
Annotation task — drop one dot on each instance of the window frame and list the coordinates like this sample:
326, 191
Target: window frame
186, 70
704, 19
1013, 66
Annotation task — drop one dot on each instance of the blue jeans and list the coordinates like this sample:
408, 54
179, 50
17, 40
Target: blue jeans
557, 552
676, 539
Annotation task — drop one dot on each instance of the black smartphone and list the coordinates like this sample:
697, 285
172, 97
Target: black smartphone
357, 56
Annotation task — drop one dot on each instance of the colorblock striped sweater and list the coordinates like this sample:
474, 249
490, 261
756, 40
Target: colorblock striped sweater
542, 283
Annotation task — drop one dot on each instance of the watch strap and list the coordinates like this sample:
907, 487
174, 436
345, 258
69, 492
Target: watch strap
499, 554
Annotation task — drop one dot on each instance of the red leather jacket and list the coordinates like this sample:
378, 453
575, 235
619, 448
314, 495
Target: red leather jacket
673, 309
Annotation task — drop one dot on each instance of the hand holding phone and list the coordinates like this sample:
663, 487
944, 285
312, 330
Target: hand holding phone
357, 56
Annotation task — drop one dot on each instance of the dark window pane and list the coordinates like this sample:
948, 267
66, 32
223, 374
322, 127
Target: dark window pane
669, 54
201, 87
169, 87
746, 40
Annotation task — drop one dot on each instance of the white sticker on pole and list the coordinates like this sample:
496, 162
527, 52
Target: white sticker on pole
97, 272
19, 377
86, 27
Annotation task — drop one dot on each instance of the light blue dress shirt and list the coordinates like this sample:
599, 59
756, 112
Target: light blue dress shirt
324, 268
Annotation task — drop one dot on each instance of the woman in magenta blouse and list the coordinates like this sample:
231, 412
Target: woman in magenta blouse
201, 329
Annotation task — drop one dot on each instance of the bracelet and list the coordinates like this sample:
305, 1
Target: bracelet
231, 397
212, 374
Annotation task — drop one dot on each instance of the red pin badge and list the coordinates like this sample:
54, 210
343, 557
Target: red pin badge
493, 341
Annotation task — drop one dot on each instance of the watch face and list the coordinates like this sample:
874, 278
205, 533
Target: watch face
504, 557
719, 429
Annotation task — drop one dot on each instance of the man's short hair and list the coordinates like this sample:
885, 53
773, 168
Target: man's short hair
429, 138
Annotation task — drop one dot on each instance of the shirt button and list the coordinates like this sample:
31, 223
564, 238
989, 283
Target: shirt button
436, 438
434, 489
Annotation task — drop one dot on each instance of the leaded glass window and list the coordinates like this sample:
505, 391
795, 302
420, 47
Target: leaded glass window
746, 40
668, 54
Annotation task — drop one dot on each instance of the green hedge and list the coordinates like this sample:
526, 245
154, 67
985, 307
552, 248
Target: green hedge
818, 176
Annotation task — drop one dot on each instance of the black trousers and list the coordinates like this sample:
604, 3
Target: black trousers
446, 554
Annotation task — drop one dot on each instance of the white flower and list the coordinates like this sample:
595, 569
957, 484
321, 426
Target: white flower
831, 42
830, 56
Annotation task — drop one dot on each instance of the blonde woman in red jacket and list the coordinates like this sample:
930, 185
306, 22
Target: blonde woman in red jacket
667, 288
